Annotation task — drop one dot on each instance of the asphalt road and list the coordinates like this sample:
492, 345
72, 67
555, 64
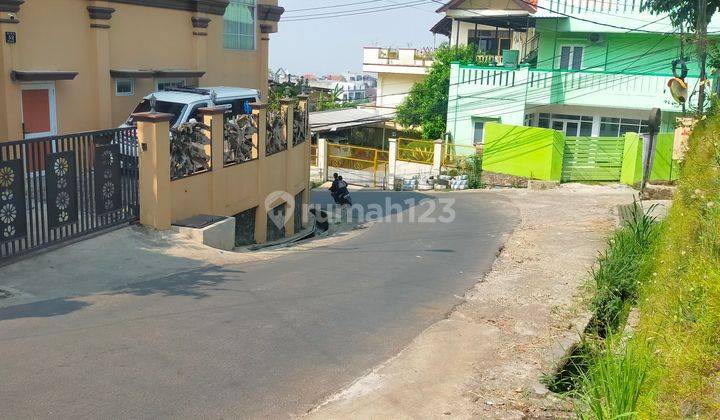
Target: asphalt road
262, 340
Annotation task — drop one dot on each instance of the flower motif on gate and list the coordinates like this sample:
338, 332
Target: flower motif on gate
107, 173
62, 183
61, 167
108, 189
8, 213
7, 177
63, 216
6, 195
63, 200
9, 231
108, 158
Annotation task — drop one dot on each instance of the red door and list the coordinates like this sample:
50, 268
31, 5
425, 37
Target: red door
38, 119
38, 111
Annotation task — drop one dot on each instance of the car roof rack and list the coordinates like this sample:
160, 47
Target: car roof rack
188, 90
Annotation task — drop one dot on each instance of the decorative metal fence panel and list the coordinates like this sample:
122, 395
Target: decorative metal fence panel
190, 150
240, 135
300, 125
593, 158
455, 156
276, 135
417, 151
59, 188
358, 165
313, 155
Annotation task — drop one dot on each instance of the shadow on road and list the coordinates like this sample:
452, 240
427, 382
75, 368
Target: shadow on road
44, 309
198, 283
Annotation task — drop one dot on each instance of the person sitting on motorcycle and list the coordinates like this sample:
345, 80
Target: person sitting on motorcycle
342, 188
334, 187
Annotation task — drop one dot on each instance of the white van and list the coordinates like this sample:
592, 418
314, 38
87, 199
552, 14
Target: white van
184, 103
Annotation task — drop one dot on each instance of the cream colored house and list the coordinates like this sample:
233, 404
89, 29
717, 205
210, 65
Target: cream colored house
70, 66
397, 69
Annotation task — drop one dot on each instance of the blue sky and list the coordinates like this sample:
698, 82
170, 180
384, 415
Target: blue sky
334, 45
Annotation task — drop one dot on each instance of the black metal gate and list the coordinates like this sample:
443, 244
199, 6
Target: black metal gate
59, 188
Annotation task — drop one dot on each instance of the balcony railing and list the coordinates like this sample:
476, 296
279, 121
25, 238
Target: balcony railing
408, 57
569, 87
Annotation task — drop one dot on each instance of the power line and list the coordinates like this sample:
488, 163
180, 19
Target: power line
333, 6
540, 94
604, 64
355, 11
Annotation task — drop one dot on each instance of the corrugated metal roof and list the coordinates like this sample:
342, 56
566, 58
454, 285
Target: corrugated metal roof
350, 117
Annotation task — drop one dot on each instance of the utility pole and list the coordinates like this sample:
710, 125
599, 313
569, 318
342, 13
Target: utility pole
701, 32
682, 57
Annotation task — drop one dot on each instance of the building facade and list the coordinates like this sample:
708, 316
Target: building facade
346, 91
397, 71
76, 65
492, 26
592, 74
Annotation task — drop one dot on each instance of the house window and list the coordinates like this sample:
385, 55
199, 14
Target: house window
165, 84
529, 119
489, 42
478, 132
239, 21
124, 87
616, 127
544, 120
570, 125
571, 57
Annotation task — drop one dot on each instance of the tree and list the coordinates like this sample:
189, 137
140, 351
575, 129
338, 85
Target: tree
691, 15
427, 104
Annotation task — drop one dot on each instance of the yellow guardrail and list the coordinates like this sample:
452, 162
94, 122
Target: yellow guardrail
313, 155
416, 150
455, 155
358, 158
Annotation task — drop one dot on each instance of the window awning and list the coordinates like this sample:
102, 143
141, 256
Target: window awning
443, 27
148, 74
41, 75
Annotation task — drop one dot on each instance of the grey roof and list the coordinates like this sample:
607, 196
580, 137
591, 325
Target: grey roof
351, 117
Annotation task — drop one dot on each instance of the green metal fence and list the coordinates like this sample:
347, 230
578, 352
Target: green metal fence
592, 158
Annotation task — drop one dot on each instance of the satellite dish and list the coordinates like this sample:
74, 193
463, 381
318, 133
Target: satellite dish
678, 90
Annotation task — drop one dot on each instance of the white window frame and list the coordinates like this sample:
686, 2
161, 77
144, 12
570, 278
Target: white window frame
169, 80
255, 31
572, 55
132, 87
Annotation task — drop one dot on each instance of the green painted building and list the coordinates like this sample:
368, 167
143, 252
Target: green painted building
584, 68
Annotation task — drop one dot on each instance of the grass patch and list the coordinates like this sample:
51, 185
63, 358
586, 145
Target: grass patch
613, 382
615, 280
670, 368
680, 295
617, 272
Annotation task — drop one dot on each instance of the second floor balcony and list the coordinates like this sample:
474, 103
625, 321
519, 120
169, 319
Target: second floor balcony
397, 60
492, 86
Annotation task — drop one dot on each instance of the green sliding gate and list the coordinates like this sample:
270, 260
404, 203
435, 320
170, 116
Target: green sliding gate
592, 158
